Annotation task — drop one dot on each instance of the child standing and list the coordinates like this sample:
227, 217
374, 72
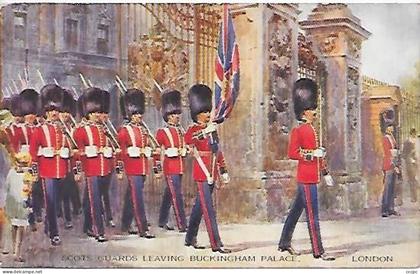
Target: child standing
18, 186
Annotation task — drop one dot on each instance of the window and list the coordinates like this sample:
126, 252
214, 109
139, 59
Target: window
103, 39
71, 34
20, 29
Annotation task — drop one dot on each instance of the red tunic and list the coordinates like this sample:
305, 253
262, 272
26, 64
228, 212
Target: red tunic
304, 137
54, 167
99, 165
133, 166
14, 131
389, 143
204, 149
171, 165
26, 133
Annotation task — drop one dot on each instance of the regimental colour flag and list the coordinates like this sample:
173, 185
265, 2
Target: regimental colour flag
227, 69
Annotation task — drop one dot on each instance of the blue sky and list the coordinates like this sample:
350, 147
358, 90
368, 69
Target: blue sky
394, 46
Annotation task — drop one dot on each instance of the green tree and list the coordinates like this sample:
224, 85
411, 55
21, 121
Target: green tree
411, 101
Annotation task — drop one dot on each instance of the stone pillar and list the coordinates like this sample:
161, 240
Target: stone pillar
59, 27
248, 134
338, 35
46, 27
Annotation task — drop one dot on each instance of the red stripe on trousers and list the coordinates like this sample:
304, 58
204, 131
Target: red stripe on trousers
174, 203
44, 190
134, 203
312, 229
92, 208
206, 215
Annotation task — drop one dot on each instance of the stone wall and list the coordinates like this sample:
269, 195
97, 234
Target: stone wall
48, 51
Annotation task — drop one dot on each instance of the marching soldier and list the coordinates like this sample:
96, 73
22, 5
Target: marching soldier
95, 158
171, 140
304, 147
50, 153
104, 188
69, 191
390, 163
208, 163
135, 151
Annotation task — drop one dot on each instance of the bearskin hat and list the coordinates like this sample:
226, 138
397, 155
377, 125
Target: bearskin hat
95, 100
79, 104
29, 102
106, 101
200, 99
15, 108
386, 119
171, 103
69, 103
305, 96
52, 98
6, 103
132, 102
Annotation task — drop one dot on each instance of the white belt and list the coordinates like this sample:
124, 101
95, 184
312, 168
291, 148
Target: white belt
93, 151
50, 152
175, 152
24, 149
136, 152
394, 152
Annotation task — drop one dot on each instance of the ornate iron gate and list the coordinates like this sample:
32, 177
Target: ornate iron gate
310, 66
175, 45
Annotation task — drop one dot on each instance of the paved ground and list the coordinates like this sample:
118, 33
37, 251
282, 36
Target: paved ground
357, 242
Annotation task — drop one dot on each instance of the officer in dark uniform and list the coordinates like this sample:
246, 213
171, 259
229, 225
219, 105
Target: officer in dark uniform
136, 150
390, 163
209, 162
304, 147
50, 154
171, 140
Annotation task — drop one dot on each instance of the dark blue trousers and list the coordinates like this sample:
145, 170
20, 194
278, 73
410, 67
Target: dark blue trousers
173, 195
306, 198
36, 201
50, 188
134, 204
389, 190
66, 196
92, 205
106, 204
203, 206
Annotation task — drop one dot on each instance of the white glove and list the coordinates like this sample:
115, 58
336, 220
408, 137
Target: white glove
210, 128
394, 152
329, 180
319, 152
225, 178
